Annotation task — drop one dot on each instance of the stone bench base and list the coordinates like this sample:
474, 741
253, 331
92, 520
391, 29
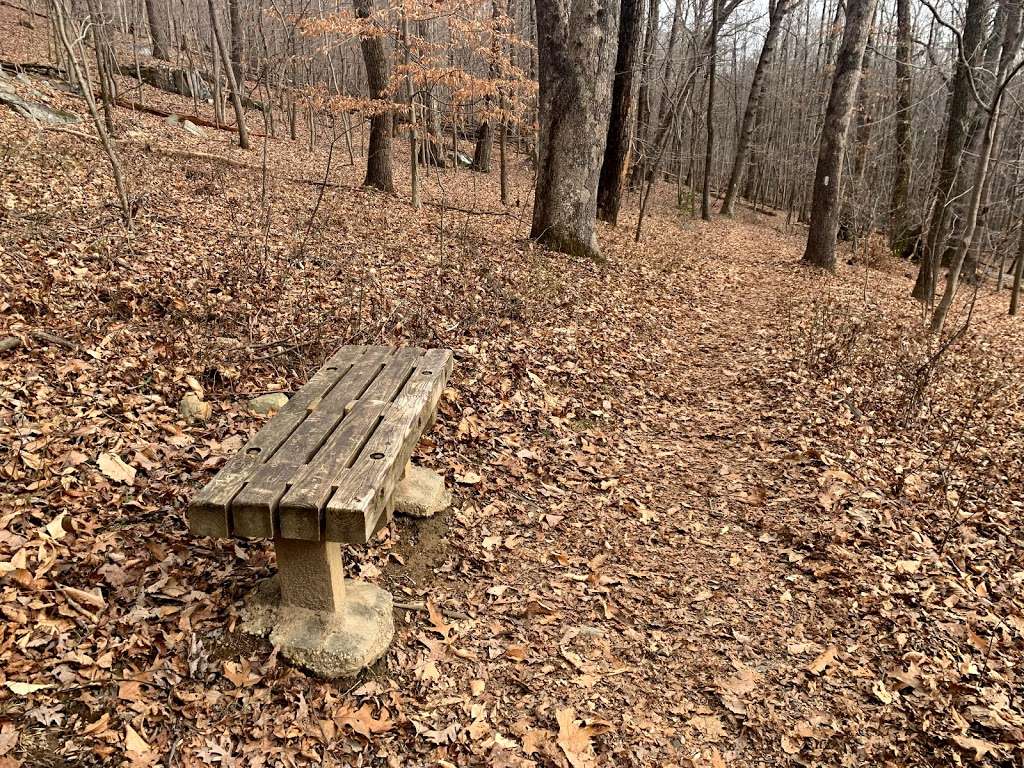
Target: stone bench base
421, 493
330, 625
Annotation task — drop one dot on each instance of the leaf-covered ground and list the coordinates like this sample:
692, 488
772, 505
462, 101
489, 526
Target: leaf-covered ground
712, 508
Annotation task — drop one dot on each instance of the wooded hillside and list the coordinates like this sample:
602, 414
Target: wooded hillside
711, 505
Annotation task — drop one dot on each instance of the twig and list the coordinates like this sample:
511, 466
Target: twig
414, 606
13, 342
51, 338
470, 210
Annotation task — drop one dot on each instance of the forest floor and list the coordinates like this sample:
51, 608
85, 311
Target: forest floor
712, 508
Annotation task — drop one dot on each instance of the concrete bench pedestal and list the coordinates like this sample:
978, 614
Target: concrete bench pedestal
320, 620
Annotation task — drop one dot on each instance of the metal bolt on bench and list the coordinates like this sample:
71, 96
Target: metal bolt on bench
328, 469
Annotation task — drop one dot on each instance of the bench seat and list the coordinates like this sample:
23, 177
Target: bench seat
324, 468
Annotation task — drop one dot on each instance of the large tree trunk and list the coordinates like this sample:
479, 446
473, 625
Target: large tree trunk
899, 224
757, 87
576, 48
1011, 45
643, 107
862, 112
999, 53
1018, 274
482, 150
1009, 25
378, 155
157, 30
620, 124
821, 238
485, 133
235, 20
958, 117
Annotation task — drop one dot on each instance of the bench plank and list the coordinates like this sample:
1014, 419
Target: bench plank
253, 508
313, 485
302, 507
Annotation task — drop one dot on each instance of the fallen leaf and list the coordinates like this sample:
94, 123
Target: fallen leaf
828, 656
24, 689
59, 526
575, 739
363, 722
133, 742
710, 726
115, 469
980, 746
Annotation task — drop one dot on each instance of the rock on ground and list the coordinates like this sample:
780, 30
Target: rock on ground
192, 408
264, 404
421, 493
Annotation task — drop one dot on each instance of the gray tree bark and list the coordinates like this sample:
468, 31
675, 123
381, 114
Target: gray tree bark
757, 88
957, 120
236, 96
821, 238
157, 31
904, 137
378, 155
235, 21
576, 49
709, 153
620, 124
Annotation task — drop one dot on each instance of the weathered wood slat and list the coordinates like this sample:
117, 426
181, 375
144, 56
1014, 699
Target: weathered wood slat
253, 507
312, 486
390, 382
365, 490
208, 513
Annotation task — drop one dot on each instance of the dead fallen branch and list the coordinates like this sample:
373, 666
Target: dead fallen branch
45, 337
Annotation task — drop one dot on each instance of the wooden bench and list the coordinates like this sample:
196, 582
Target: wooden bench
323, 471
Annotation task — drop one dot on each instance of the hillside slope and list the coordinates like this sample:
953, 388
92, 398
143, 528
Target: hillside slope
712, 508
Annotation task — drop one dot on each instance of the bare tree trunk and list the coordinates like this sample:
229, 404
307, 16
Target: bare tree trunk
218, 95
643, 107
60, 23
576, 47
101, 47
503, 161
378, 156
414, 172
957, 120
620, 124
482, 151
709, 154
750, 112
236, 97
235, 20
821, 238
1018, 274
157, 31
1011, 45
485, 133
862, 111
904, 138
